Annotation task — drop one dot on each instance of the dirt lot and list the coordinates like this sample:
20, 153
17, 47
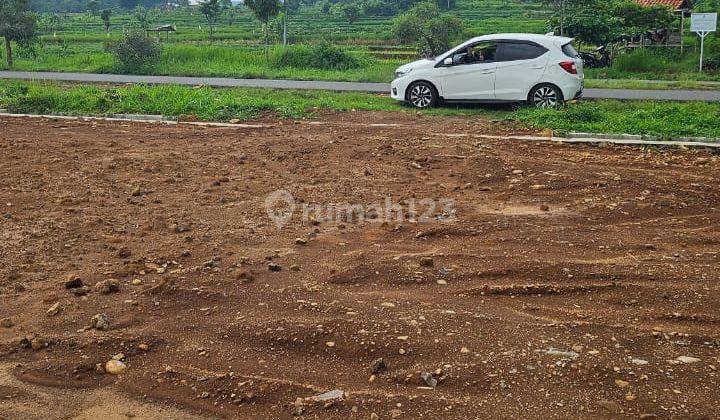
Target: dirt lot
564, 281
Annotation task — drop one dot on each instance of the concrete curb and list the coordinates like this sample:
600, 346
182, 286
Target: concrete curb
146, 119
580, 135
598, 140
622, 141
619, 139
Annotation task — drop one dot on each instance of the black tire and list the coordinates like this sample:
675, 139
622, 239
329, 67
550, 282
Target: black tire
422, 95
545, 96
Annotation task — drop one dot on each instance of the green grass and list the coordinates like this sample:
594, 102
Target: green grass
664, 119
247, 61
655, 118
240, 61
77, 45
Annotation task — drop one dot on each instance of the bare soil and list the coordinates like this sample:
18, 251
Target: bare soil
566, 281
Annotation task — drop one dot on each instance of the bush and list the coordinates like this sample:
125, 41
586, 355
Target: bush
322, 56
135, 52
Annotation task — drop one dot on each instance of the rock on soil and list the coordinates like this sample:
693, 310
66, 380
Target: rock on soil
105, 287
115, 367
100, 322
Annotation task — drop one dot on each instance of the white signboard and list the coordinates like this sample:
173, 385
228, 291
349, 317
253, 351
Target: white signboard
703, 22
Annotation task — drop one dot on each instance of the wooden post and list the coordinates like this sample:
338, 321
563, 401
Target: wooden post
8, 52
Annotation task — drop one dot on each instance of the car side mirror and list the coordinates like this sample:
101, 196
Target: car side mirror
448, 61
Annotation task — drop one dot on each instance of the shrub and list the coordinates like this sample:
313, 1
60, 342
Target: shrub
322, 56
135, 52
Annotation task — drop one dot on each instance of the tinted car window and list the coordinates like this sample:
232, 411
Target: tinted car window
569, 50
511, 51
477, 53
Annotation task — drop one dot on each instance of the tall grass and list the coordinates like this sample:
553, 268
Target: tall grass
640, 61
655, 63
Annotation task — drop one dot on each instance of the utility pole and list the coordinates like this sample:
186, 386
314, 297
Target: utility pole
284, 23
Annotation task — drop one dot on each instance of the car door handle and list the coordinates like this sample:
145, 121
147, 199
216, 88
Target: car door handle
487, 72
537, 67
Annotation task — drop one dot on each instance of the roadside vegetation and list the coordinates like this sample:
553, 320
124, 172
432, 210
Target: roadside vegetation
368, 38
662, 64
301, 62
664, 119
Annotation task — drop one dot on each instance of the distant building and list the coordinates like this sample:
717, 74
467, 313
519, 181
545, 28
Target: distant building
675, 5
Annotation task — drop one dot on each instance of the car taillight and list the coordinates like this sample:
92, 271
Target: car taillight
569, 66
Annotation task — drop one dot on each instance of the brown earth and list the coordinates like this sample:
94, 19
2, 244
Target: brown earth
564, 282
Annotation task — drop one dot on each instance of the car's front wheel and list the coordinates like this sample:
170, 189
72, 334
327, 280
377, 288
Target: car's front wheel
545, 96
422, 95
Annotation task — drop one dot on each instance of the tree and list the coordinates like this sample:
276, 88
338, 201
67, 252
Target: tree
50, 23
325, 8
638, 19
129, 4
617, 20
446, 4
264, 10
17, 24
231, 12
212, 10
93, 6
382, 8
141, 17
288, 6
433, 32
350, 11
560, 9
105, 16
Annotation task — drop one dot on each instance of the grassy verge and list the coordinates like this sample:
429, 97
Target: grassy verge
665, 119
656, 118
226, 59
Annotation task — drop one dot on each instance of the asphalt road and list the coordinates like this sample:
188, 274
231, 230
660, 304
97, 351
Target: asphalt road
674, 95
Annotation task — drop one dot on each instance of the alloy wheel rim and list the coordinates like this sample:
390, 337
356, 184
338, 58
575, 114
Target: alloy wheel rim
421, 96
545, 97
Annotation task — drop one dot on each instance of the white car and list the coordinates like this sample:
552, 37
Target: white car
543, 70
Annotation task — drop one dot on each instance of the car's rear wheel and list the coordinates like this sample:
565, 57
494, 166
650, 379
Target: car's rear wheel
545, 96
422, 95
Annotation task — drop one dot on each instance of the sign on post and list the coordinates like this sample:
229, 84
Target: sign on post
703, 24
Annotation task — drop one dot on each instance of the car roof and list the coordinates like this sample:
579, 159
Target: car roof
540, 39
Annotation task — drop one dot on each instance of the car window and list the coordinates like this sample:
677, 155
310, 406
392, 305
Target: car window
512, 51
569, 50
482, 52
